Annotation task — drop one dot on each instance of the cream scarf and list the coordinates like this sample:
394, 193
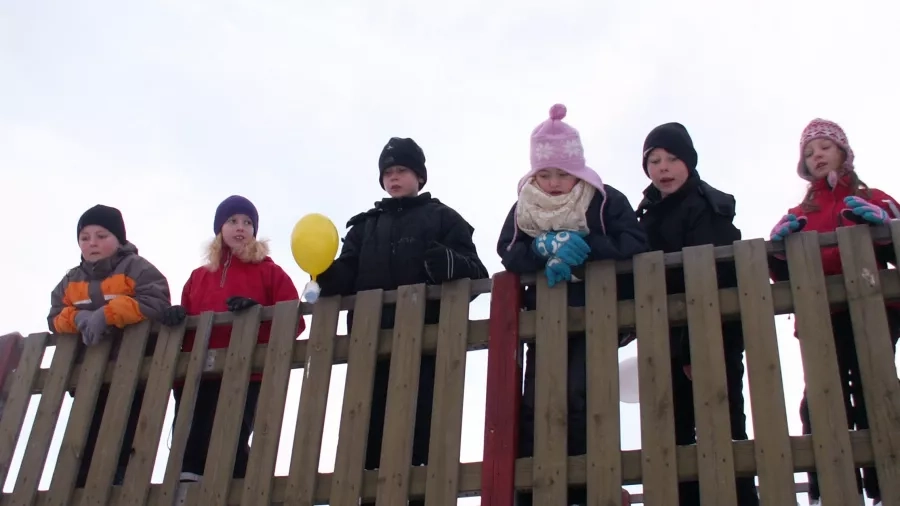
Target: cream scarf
538, 212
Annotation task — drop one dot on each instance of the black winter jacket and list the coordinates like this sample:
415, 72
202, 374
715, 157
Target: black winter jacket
624, 238
696, 214
385, 248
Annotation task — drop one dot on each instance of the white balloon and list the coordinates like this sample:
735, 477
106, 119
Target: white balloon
629, 393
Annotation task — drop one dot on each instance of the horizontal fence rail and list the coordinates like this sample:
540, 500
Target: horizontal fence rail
121, 388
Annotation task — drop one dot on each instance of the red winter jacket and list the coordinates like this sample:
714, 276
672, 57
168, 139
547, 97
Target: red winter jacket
827, 218
265, 282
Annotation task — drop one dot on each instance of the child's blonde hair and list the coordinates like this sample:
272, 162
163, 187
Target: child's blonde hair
254, 252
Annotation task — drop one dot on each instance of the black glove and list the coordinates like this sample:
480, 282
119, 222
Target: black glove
439, 263
236, 304
173, 316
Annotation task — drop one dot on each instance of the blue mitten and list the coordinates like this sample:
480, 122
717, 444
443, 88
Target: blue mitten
557, 271
543, 244
571, 248
788, 225
860, 211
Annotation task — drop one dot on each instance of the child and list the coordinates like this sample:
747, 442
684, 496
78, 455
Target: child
564, 216
407, 238
111, 288
680, 210
836, 197
238, 274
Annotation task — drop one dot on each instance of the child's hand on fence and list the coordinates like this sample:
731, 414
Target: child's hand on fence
173, 316
860, 211
688, 372
439, 263
82, 318
92, 325
544, 244
571, 248
236, 303
788, 225
557, 271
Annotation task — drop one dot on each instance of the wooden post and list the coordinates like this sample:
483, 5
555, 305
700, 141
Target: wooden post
503, 390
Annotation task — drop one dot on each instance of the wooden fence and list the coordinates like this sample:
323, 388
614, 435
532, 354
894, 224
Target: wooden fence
773, 456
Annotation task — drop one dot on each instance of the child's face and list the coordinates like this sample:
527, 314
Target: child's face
97, 243
823, 156
667, 172
237, 231
555, 181
400, 181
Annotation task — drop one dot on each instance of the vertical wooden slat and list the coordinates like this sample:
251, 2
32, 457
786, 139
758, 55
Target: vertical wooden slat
876, 356
313, 403
270, 408
503, 392
90, 379
105, 458
770, 428
19, 397
153, 413
185, 414
357, 408
604, 459
403, 388
715, 455
834, 462
895, 237
550, 396
441, 486
659, 466
45, 421
10, 352
223, 442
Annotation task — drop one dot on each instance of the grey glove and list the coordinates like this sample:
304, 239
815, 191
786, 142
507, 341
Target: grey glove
95, 328
82, 318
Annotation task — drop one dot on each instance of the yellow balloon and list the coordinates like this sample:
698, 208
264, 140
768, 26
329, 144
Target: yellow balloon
314, 243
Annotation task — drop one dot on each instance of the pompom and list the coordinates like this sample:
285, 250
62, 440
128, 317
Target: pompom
557, 112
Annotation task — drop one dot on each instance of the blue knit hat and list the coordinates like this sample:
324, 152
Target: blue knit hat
235, 204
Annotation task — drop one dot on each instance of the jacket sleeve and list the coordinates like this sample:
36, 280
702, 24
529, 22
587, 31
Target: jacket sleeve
624, 236
340, 277
457, 237
62, 312
281, 288
710, 227
186, 295
151, 296
517, 257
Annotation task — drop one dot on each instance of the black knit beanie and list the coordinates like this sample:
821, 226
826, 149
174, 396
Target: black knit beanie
107, 217
674, 138
403, 152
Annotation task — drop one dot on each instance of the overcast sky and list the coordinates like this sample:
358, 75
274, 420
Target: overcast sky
165, 108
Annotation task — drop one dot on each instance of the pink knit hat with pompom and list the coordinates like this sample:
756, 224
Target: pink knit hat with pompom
557, 145
823, 129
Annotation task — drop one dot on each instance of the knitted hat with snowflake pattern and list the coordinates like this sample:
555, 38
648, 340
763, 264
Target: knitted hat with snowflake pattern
556, 145
823, 129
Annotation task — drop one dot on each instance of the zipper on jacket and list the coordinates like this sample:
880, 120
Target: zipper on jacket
225, 271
